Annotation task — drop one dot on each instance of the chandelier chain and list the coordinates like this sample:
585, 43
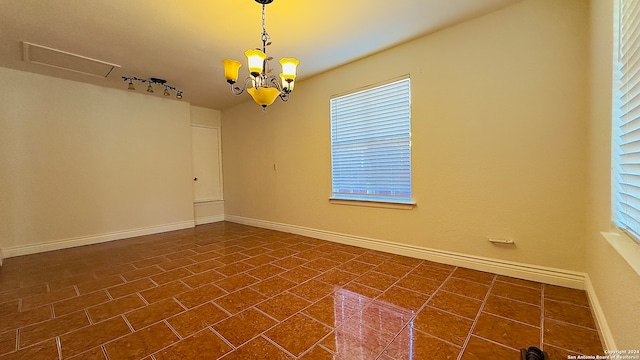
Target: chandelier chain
265, 35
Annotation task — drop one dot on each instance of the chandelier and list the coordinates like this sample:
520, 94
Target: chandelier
263, 87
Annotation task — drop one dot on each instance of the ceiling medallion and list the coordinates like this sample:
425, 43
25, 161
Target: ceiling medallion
263, 86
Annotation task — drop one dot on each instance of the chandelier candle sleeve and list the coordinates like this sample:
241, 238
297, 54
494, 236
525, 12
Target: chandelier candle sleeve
289, 68
255, 61
286, 84
231, 68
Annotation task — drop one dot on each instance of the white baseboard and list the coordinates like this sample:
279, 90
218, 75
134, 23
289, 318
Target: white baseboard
93, 239
209, 219
598, 314
531, 272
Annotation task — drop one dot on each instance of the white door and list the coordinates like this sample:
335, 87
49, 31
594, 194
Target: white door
207, 182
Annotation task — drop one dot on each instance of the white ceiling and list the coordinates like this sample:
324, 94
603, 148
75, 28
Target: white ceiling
184, 41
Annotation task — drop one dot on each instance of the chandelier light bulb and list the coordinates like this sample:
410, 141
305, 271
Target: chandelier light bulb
289, 66
255, 61
287, 84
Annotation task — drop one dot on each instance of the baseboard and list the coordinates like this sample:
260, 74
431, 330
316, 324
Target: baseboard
1, 256
598, 315
93, 239
531, 272
209, 219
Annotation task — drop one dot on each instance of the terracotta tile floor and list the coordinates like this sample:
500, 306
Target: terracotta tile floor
230, 291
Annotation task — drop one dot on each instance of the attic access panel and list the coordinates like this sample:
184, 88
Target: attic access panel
59, 59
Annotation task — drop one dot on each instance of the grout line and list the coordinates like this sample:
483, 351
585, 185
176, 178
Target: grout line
572, 351
497, 343
59, 346
542, 317
515, 300
124, 281
180, 338
86, 313
104, 352
129, 324
140, 296
324, 347
511, 319
108, 295
520, 285
280, 347
210, 327
464, 296
182, 305
221, 308
435, 337
475, 321
568, 303
572, 324
415, 314
317, 344
278, 322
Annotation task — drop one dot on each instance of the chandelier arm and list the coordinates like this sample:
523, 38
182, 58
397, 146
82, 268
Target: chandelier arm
274, 83
238, 91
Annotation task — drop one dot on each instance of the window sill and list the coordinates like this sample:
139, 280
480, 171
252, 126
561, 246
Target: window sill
374, 204
626, 247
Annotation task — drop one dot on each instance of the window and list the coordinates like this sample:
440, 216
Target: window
626, 119
371, 144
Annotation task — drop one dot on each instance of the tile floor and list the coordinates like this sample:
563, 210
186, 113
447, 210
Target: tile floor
229, 291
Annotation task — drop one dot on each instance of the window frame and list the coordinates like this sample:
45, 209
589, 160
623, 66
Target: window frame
628, 225
375, 199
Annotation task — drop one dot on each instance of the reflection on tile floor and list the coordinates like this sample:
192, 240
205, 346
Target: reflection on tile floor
229, 291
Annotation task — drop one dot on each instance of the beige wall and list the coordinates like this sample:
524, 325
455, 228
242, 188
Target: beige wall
498, 130
87, 163
205, 117
616, 284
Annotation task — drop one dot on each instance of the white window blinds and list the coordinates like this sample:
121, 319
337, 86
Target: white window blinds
371, 144
626, 118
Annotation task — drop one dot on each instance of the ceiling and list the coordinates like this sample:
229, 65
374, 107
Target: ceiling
184, 41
